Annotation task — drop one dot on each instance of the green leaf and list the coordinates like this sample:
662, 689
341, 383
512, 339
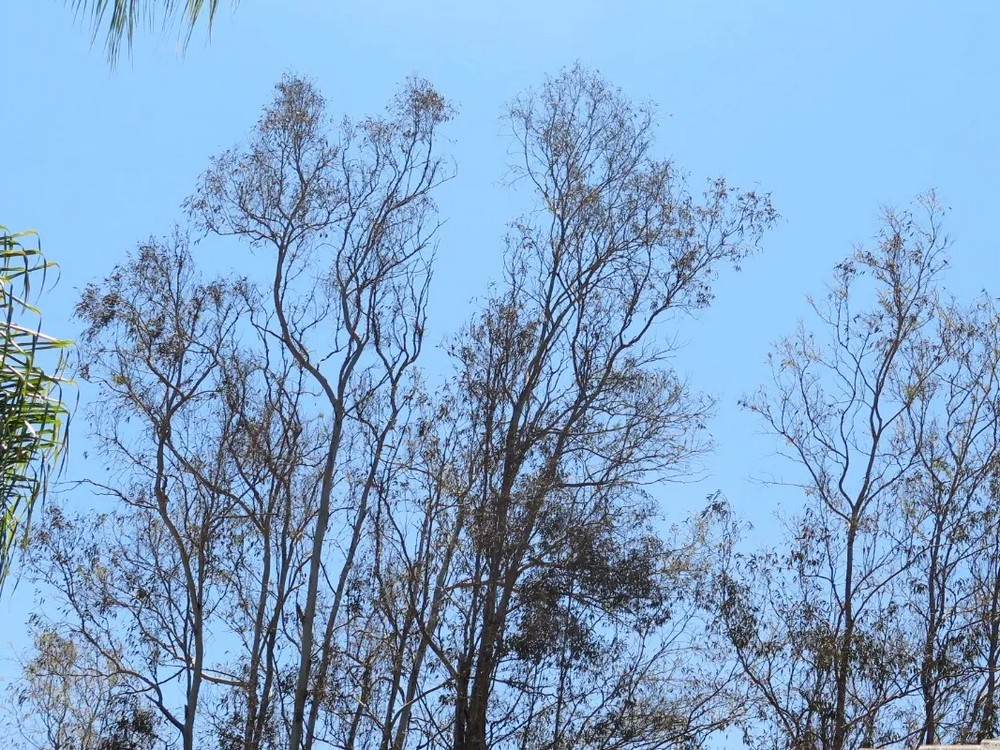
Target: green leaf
33, 416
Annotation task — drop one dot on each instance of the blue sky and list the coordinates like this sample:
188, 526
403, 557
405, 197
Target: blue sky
836, 108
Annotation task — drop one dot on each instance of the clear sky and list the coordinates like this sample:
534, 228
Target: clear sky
836, 108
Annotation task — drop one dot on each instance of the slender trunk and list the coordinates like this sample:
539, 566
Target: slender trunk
928, 681
494, 622
988, 724
563, 670
357, 530
194, 588
261, 720
257, 645
301, 695
462, 707
475, 731
847, 642
427, 632
335, 396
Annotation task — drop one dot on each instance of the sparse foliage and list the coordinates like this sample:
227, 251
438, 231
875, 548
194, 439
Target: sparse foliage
309, 545
860, 630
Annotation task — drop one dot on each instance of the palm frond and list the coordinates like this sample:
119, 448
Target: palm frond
33, 416
118, 20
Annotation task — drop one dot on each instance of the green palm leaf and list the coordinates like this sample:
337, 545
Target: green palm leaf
119, 19
33, 416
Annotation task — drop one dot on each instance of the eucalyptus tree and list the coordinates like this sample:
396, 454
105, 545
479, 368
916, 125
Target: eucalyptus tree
348, 228
522, 595
144, 583
250, 427
954, 423
982, 709
308, 544
64, 701
61, 702
861, 629
568, 406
